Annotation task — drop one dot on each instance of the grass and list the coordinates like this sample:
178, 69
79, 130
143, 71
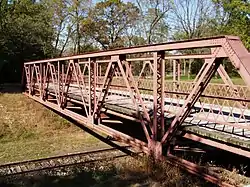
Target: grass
28, 131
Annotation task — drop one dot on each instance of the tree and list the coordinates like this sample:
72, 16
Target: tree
233, 17
152, 19
191, 19
108, 21
60, 23
78, 10
67, 16
26, 34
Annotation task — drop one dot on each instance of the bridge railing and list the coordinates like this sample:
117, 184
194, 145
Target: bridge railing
139, 75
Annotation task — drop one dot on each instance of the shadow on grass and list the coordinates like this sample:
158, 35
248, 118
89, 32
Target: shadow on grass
84, 178
11, 88
100, 176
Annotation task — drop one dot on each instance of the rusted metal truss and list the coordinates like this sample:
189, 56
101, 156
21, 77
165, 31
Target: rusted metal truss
137, 78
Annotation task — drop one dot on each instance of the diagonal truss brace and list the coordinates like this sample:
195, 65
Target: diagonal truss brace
120, 63
136, 97
141, 75
110, 72
226, 79
204, 78
80, 83
55, 79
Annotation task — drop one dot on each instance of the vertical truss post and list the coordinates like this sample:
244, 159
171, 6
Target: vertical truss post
92, 88
43, 80
161, 90
175, 76
97, 73
158, 106
61, 79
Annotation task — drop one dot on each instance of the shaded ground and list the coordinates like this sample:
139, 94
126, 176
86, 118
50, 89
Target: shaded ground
10, 88
119, 172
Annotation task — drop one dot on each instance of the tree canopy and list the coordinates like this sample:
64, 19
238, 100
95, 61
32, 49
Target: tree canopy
38, 29
233, 17
25, 34
108, 21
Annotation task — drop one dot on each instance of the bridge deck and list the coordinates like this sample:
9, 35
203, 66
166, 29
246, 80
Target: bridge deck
120, 102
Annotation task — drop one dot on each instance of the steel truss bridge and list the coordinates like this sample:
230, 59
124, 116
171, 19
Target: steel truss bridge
100, 90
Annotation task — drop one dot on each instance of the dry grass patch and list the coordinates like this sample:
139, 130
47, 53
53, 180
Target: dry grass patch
28, 130
145, 172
